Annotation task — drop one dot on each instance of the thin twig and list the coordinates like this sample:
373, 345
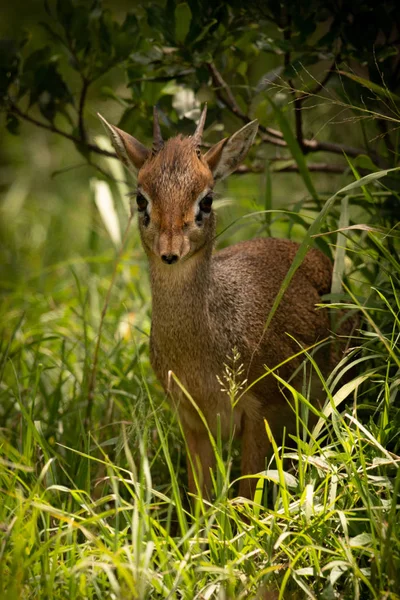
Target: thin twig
92, 147
293, 168
273, 136
382, 125
161, 78
82, 99
298, 107
230, 101
270, 139
87, 163
93, 373
220, 82
298, 119
321, 84
316, 146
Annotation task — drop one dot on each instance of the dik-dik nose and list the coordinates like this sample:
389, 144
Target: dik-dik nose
170, 259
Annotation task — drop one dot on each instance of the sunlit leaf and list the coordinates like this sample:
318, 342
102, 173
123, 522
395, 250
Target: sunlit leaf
105, 204
183, 16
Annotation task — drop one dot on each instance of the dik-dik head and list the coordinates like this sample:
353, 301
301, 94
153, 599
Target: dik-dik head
175, 183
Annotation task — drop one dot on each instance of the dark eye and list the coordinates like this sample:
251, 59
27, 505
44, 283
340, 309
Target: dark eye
206, 203
141, 202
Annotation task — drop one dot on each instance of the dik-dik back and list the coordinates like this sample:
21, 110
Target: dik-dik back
205, 304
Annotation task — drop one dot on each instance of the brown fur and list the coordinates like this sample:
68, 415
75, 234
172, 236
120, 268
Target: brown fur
205, 305
220, 302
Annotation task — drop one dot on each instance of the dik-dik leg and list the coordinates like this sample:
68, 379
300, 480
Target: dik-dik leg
201, 458
255, 447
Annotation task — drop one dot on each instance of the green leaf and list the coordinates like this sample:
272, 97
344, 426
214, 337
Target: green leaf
128, 38
314, 229
42, 80
373, 87
294, 148
183, 17
362, 161
268, 195
274, 475
81, 147
340, 252
9, 65
160, 22
341, 395
296, 67
268, 79
205, 31
366, 192
65, 12
79, 32
12, 124
242, 68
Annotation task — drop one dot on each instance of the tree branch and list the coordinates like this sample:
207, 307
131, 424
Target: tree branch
230, 101
82, 99
316, 146
92, 147
299, 121
287, 34
334, 169
273, 136
321, 84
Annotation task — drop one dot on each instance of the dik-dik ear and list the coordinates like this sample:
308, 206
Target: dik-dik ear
131, 152
224, 157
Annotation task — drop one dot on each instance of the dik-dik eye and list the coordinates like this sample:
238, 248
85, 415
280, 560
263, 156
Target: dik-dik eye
141, 202
206, 203
204, 208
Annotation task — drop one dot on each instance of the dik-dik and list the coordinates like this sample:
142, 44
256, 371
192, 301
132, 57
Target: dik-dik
206, 304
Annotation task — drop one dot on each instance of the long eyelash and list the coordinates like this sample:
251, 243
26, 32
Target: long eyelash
132, 193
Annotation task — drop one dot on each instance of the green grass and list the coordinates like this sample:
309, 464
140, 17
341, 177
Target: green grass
94, 501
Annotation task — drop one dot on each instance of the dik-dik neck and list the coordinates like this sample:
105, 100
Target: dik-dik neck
180, 294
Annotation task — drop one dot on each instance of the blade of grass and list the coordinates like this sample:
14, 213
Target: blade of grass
340, 255
294, 148
313, 229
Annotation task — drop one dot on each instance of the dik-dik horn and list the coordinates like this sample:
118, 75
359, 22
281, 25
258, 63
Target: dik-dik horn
206, 304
